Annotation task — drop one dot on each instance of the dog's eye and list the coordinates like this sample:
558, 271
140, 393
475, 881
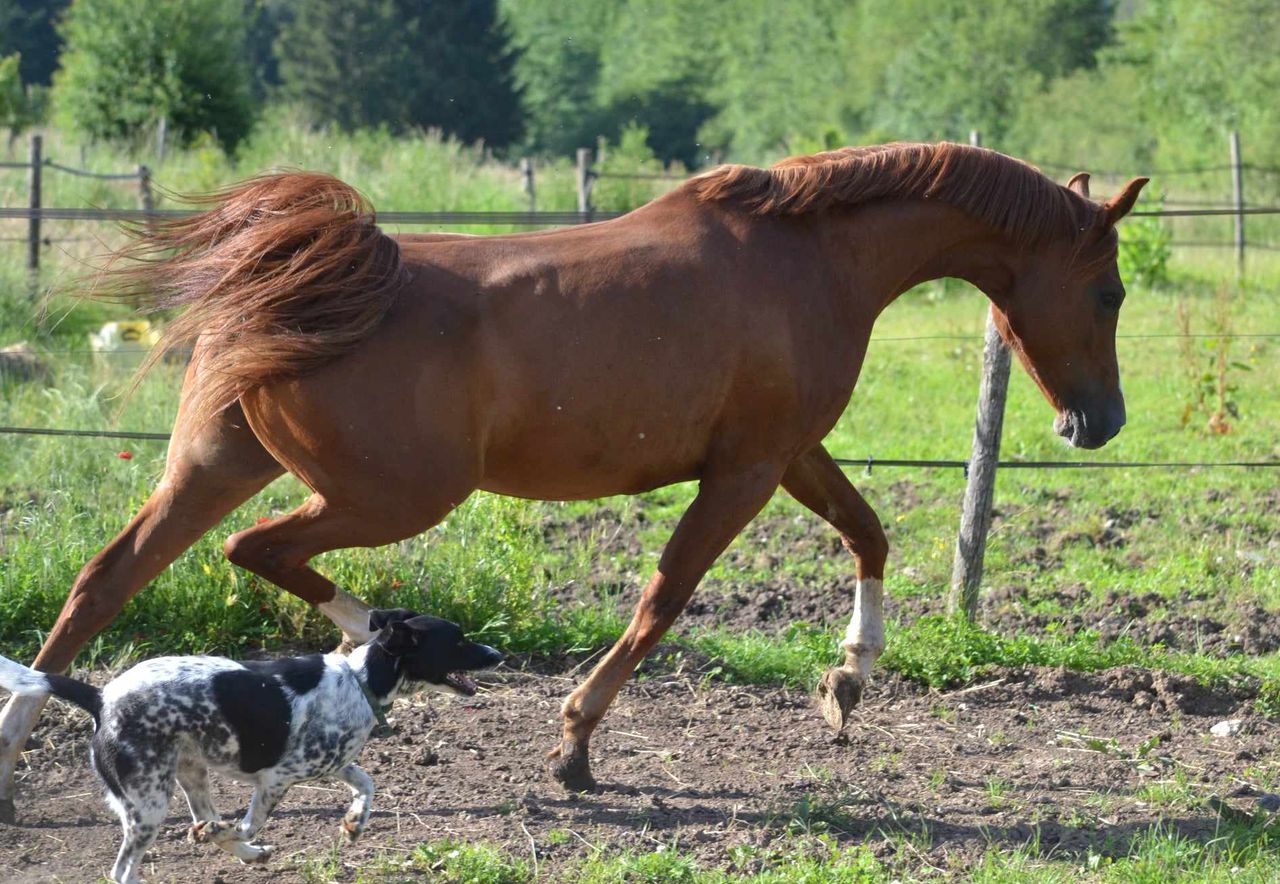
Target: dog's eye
1111, 299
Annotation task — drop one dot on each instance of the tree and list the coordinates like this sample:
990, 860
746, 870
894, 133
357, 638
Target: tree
127, 66
402, 64
27, 28
968, 66
1203, 69
558, 68
13, 100
783, 83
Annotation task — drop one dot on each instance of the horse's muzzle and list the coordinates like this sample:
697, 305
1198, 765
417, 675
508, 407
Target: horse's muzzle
1090, 429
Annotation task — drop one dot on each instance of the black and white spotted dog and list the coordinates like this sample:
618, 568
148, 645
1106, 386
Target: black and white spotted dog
269, 724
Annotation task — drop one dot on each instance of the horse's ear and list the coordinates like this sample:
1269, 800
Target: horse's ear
1122, 203
1079, 183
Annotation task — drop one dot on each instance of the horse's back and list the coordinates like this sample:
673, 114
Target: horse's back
596, 360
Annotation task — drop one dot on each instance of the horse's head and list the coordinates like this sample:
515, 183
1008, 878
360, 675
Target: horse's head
1058, 313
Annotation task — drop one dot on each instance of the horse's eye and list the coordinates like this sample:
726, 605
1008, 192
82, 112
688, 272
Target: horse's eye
1111, 299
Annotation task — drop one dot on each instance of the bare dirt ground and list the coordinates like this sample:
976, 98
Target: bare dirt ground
710, 768
1079, 762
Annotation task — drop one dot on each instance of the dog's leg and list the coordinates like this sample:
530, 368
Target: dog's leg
236, 839
362, 796
213, 467
193, 778
141, 810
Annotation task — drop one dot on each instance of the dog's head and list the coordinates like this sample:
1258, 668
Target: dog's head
431, 650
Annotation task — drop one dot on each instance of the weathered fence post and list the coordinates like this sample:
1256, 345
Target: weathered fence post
585, 180
145, 197
33, 223
975, 518
162, 131
1237, 198
526, 175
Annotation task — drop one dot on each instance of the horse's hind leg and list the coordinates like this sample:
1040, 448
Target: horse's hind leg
816, 481
211, 470
279, 550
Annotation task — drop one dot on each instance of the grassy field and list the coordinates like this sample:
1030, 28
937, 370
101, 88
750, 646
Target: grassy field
1195, 545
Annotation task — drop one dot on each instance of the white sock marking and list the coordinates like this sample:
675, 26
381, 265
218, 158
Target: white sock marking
349, 614
864, 639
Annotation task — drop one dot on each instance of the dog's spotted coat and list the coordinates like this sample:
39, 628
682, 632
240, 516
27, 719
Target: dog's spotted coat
269, 724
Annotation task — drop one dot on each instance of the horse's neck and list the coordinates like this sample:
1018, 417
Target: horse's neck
886, 248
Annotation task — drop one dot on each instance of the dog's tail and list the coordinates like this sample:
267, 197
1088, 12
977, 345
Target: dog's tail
23, 680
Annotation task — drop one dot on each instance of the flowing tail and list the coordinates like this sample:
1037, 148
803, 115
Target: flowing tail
19, 679
282, 274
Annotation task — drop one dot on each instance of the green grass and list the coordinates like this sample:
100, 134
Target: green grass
1245, 850
1192, 533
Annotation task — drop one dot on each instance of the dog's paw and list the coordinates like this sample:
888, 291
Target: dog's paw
352, 826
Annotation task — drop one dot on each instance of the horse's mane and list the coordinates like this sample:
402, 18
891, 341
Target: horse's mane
1006, 193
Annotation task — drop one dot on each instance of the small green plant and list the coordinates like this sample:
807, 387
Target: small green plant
1175, 792
1208, 367
453, 862
813, 815
1145, 249
997, 792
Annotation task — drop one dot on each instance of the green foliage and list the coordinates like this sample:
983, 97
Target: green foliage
558, 68
27, 29
454, 862
13, 99
1205, 69
128, 66
401, 64
1145, 250
975, 67
631, 156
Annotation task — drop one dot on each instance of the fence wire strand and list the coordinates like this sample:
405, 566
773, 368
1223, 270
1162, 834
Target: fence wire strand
866, 463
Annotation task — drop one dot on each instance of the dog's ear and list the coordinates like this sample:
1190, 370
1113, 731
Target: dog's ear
398, 638
380, 618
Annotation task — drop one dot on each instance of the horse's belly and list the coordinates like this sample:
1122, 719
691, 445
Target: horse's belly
565, 460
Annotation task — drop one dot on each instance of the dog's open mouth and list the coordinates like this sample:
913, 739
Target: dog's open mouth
461, 682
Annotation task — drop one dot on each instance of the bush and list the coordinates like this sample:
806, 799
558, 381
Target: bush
1145, 248
127, 66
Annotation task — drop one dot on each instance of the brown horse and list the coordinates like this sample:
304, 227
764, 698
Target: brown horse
712, 335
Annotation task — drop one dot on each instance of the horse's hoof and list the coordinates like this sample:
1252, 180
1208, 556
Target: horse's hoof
347, 645
839, 690
352, 826
572, 768
8, 813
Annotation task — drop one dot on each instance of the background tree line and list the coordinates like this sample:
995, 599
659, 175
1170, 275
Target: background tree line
1123, 83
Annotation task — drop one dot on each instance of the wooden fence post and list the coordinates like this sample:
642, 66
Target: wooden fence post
526, 175
33, 223
585, 179
975, 518
1237, 198
146, 198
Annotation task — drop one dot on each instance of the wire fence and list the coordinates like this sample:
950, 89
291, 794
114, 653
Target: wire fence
497, 219
36, 214
867, 463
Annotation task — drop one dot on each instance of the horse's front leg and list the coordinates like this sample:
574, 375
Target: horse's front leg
817, 481
726, 502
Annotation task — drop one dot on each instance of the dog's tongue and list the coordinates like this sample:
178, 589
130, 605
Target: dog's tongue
461, 682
